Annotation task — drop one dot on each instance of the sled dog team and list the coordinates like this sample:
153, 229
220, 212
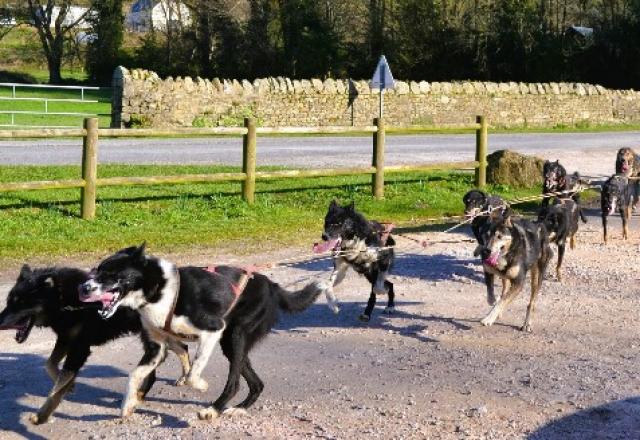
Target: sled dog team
132, 292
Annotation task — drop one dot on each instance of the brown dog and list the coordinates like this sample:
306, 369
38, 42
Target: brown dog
628, 165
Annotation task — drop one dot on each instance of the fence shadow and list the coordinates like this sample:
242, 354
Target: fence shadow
26, 201
619, 419
23, 374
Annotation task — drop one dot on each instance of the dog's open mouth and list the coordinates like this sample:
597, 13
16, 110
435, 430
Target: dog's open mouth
492, 260
22, 328
625, 167
326, 246
110, 300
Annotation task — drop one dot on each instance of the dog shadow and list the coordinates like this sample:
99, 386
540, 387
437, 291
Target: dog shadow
319, 316
434, 267
24, 375
618, 419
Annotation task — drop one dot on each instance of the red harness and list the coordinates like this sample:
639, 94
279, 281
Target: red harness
237, 289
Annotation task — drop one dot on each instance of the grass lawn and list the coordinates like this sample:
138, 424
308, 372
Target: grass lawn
102, 107
45, 225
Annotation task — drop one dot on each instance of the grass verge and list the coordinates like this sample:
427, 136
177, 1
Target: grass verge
45, 225
102, 107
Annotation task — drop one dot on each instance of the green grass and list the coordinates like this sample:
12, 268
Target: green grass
45, 224
103, 107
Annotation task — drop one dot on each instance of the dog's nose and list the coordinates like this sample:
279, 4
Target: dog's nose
325, 237
485, 253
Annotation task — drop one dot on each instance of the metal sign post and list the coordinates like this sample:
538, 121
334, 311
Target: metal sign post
382, 79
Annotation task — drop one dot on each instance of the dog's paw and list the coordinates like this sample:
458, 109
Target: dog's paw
35, 419
127, 411
526, 328
389, 310
198, 383
491, 300
334, 308
208, 414
364, 318
181, 381
487, 322
235, 411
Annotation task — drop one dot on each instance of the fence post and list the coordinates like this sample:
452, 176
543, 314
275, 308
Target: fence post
249, 161
89, 168
481, 152
377, 180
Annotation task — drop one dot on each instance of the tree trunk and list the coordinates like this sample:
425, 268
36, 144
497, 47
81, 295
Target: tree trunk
54, 60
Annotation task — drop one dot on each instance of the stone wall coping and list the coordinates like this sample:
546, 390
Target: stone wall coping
332, 86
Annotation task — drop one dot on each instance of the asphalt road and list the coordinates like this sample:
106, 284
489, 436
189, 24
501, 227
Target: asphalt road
316, 151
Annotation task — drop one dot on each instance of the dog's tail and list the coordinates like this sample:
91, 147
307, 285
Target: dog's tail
300, 300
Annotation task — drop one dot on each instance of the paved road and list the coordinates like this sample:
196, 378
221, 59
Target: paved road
318, 152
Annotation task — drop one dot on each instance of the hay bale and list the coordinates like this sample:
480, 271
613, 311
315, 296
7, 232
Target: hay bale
505, 167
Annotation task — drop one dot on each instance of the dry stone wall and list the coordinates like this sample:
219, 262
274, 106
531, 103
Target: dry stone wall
141, 98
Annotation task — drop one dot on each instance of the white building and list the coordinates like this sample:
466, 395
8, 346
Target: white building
74, 14
145, 15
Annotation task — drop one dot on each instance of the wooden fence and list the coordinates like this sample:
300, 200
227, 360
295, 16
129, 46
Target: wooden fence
89, 181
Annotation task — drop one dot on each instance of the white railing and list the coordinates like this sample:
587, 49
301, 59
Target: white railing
14, 91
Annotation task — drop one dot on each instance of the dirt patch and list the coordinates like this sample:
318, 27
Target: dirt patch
429, 371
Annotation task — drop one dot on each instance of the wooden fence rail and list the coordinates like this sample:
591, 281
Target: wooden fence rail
90, 181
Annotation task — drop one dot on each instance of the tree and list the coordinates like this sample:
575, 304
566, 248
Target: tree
50, 20
104, 51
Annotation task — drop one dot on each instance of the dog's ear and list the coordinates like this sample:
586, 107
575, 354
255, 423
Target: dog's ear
25, 272
351, 206
333, 205
138, 252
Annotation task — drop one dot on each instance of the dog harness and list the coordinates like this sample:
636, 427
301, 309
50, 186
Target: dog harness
237, 288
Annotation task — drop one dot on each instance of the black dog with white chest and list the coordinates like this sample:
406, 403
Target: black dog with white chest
48, 297
226, 304
616, 195
366, 246
561, 220
478, 206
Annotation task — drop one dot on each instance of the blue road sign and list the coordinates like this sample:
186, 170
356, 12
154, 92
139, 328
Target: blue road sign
382, 77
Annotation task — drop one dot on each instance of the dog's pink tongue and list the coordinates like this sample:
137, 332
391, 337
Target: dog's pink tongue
492, 260
105, 298
325, 246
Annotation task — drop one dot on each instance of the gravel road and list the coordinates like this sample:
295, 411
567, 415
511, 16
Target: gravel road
321, 151
429, 371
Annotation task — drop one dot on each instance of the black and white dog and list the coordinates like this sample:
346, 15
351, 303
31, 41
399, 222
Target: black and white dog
366, 246
48, 297
191, 303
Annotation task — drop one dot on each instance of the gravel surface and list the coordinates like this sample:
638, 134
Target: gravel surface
320, 151
429, 371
